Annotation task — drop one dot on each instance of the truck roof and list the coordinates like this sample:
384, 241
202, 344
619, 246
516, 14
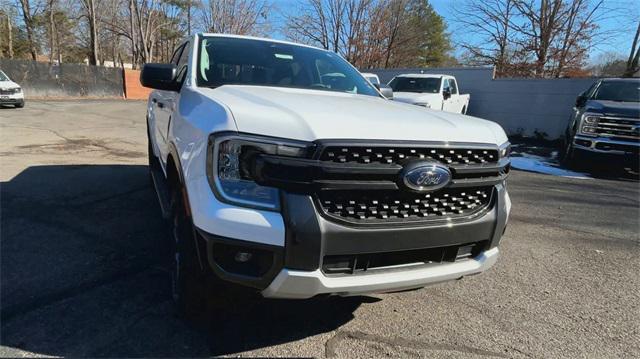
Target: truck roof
424, 75
210, 34
620, 79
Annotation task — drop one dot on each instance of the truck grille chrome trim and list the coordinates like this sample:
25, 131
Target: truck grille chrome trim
620, 127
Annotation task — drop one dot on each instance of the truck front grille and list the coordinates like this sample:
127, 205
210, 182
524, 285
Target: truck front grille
370, 207
399, 154
620, 127
8, 91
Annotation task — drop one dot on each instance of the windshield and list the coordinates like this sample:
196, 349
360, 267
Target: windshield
415, 84
235, 61
4, 77
623, 91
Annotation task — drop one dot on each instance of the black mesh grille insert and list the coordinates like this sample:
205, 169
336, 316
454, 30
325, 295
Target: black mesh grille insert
397, 155
401, 206
359, 263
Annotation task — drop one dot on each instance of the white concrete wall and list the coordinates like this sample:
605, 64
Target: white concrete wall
528, 107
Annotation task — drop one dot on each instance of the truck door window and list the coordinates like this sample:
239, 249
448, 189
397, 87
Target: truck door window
176, 54
446, 86
182, 64
453, 86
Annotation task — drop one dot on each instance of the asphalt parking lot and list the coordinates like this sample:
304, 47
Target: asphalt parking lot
83, 270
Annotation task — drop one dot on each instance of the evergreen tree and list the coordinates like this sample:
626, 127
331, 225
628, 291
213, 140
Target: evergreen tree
428, 44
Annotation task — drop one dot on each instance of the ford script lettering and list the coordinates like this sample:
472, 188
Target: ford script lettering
426, 177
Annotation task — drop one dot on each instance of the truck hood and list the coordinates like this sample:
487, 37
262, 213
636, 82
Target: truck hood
310, 115
614, 108
8, 85
413, 97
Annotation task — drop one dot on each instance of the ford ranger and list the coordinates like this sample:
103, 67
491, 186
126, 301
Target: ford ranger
438, 92
283, 170
605, 123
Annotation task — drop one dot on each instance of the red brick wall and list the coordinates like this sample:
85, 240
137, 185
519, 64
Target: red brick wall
132, 88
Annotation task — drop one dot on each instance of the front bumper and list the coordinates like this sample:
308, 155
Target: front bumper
296, 284
12, 99
606, 145
296, 270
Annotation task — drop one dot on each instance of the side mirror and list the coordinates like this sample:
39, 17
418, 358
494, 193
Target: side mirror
581, 100
159, 76
446, 94
386, 91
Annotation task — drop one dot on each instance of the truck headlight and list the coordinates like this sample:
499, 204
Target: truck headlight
588, 124
18, 90
229, 160
504, 150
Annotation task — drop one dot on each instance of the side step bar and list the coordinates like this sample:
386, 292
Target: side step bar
162, 190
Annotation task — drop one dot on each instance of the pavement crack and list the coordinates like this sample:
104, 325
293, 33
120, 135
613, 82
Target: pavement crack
56, 133
13, 311
332, 344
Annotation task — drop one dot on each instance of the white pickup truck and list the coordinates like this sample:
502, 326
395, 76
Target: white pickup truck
438, 92
283, 170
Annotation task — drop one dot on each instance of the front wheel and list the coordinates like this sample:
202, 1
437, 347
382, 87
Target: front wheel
188, 284
569, 156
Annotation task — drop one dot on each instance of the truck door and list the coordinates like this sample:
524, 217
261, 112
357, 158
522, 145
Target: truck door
164, 102
449, 104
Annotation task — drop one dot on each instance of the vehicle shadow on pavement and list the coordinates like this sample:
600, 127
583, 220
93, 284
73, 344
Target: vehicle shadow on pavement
83, 273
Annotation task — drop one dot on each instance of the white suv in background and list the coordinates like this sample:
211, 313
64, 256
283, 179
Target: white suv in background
10, 92
283, 170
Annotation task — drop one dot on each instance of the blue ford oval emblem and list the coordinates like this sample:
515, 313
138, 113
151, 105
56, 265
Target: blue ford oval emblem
425, 177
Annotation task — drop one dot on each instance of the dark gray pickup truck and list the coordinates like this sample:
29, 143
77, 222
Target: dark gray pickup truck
605, 123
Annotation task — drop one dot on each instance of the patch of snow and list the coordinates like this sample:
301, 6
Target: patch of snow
533, 163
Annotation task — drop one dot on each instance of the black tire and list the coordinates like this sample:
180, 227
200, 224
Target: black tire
197, 293
570, 157
20, 105
189, 287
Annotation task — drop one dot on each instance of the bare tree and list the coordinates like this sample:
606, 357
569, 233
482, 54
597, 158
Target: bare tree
92, 21
633, 63
556, 32
234, 16
490, 20
30, 25
317, 22
51, 4
9, 36
577, 32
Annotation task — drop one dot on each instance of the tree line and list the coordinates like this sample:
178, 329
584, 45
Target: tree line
524, 38
541, 38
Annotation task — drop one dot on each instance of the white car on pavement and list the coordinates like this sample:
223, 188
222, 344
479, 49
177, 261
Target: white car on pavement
284, 171
438, 92
10, 92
